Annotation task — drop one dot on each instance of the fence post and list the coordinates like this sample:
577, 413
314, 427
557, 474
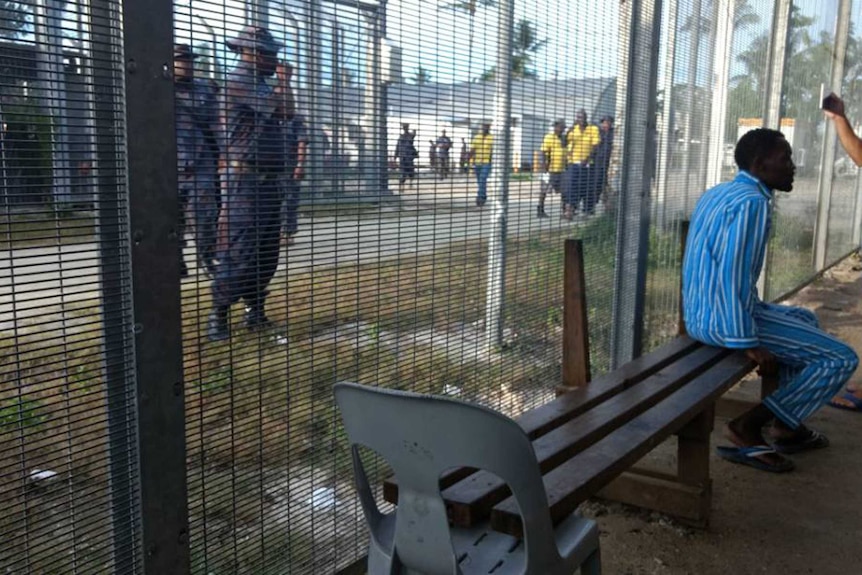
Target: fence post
576, 329
723, 22
692, 102
499, 180
664, 152
638, 161
827, 159
114, 270
777, 58
154, 213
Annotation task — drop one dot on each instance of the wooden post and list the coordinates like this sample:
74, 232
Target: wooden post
693, 460
683, 238
576, 336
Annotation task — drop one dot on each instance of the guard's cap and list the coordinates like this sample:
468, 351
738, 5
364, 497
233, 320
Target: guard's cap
254, 37
183, 52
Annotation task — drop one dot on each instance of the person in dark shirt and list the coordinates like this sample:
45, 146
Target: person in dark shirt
197, 158
251, 169
405, 155
601, 163
295, 155
444, 144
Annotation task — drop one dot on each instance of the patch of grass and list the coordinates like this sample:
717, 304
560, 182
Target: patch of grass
46, 228
261, 404
791, 261
23, 412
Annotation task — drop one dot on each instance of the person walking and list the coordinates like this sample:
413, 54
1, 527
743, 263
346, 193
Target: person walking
295, 156
464, 160
553, 164
432, 156
405, 155
251, 168
481, 150
581, 140
444, 144
197, 159
601, 164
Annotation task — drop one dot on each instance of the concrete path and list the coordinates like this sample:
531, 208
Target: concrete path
39, 280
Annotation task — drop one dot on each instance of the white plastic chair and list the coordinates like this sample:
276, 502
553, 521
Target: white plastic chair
422, 436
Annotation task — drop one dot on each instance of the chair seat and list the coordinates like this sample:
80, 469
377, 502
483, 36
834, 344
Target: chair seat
481, 550
423, 436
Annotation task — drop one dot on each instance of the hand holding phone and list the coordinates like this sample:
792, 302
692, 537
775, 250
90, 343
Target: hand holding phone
833, 105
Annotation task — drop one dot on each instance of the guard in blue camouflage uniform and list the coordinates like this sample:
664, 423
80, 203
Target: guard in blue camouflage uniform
296, 139
197, 157
252, 115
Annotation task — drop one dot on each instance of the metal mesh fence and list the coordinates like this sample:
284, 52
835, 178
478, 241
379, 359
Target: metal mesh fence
368, 191
67, 427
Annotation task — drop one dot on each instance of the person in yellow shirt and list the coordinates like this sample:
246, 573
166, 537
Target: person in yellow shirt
481, 149
581, 140
553, 164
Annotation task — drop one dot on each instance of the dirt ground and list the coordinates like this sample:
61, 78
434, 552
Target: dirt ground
806, 521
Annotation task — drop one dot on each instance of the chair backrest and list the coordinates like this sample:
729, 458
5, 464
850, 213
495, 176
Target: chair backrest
421, 436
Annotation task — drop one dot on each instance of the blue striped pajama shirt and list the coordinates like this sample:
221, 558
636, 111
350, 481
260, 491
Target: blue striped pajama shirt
724, 254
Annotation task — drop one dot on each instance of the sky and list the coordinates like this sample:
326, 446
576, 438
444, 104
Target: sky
437, 38
581, 35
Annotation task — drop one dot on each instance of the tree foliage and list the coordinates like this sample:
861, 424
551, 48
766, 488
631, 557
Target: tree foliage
525, 44
422, 76
14, 19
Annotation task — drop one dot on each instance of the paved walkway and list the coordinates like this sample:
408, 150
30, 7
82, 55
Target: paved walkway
39, 279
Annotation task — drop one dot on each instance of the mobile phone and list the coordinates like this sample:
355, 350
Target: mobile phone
831, 103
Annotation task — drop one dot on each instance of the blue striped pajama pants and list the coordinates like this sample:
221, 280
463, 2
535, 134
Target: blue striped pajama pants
813, 365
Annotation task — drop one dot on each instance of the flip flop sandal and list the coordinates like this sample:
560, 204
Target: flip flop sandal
848, 396
750, 456
808, 439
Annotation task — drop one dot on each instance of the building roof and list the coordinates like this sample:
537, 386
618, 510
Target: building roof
474, 101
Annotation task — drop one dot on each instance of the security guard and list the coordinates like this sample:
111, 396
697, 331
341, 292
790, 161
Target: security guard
251, 169
553, 164
197, 157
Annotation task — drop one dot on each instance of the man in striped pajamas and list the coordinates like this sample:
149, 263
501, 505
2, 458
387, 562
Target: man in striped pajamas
726, 245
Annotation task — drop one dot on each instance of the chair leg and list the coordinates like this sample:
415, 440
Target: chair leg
593, 563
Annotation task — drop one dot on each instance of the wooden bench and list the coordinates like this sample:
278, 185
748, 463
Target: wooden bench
589, 437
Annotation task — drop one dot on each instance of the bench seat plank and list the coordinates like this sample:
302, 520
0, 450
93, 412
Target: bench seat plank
471, 499
539, 421
583, 475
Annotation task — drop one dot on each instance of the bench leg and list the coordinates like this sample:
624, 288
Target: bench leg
687, 495
693, 446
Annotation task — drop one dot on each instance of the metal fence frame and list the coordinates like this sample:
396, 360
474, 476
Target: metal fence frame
149, 489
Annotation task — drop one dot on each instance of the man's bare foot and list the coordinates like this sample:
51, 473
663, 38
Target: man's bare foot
747, 436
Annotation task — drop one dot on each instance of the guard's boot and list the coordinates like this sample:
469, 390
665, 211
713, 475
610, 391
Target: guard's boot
255, 316
217, 324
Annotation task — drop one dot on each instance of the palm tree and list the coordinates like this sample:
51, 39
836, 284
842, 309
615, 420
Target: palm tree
743, 17
469, 7
422, 76
524, 45
14, 19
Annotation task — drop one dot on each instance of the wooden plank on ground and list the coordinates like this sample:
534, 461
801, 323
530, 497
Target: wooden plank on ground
662, 494
583, 475
538, 421
471, 499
